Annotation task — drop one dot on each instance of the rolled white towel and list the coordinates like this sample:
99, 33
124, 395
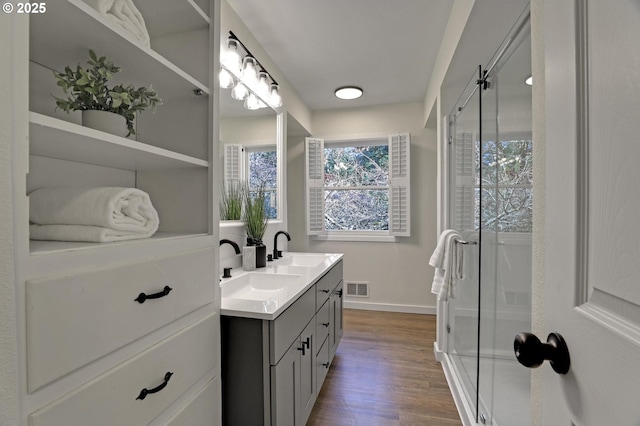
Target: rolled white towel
91, 234
101, 6
124, 212
126, 14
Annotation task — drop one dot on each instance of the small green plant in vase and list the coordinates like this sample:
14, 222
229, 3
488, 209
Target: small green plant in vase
255, 221
87, 90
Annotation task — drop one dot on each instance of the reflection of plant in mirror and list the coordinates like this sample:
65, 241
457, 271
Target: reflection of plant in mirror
232, 199
255, 216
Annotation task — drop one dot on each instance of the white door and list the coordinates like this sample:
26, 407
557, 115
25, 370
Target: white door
592, 213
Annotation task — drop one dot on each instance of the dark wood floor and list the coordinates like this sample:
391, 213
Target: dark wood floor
385, 373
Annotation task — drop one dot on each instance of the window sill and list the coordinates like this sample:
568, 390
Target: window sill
353, 237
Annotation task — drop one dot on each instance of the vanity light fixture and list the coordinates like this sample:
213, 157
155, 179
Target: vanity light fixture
348, 92
248, 80
529, 81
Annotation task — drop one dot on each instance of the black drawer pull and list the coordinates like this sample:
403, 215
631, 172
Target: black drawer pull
324, 291
142, 297
325, 364
144, 392
326, 324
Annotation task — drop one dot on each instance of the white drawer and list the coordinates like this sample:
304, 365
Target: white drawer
202, 410
111, 399
75, 319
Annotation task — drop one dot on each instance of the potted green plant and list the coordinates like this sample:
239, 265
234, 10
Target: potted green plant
87, 91
232, 199
255, 221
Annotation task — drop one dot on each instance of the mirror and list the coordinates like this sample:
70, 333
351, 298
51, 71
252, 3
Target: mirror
251, 149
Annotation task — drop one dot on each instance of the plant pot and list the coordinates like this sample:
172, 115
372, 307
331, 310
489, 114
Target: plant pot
105, 121
261, 252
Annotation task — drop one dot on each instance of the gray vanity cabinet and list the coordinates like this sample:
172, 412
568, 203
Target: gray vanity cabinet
292, 405
272, 370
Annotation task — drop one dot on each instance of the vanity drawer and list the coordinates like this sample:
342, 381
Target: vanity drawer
202, 409
323, 322
288, 326
327, 283
75, 319
113, 398
322, 364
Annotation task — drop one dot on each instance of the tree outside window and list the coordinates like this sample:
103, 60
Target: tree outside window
356, 187
263, 172
507, 194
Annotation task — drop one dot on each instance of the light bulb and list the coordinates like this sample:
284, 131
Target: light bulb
239, 92
275, 100
251, 102
249, 72
226, 79
263, 85
231, 58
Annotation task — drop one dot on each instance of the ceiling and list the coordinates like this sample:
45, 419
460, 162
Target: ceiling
388, 48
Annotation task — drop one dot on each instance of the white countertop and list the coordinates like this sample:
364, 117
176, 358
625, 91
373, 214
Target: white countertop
297, 271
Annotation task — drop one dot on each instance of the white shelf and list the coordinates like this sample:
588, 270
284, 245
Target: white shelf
64, 35
54, 138
50, 247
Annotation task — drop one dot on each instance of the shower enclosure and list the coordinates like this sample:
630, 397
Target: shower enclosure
490, 204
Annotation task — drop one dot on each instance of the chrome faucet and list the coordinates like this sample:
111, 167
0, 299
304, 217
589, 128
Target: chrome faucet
233, 243
275, 243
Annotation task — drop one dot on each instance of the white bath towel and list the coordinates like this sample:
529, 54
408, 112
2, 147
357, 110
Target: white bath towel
125, 14
67, 213
444, 260
92, 234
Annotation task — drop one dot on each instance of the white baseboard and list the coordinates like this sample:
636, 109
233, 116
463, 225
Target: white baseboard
388, 307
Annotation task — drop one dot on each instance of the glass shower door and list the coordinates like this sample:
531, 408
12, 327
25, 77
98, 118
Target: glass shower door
490, 204
463, 303
506, 204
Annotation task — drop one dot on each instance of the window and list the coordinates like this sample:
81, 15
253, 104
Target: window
507, 176
358, 187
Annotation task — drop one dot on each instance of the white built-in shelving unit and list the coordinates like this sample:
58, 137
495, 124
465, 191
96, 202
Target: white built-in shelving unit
69, 292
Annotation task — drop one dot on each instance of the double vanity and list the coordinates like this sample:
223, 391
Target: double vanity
280, 329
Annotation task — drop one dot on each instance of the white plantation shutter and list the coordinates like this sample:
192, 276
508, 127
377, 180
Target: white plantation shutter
233, 163
399, 186
464, 209
314, 178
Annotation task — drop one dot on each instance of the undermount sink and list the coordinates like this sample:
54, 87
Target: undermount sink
305, 260
258, 286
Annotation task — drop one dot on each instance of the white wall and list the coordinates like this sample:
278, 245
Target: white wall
398, 273
290, 99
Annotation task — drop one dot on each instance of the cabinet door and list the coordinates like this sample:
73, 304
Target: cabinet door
335, 308
285, 387
307, 373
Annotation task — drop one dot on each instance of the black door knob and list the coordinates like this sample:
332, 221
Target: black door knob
531, 352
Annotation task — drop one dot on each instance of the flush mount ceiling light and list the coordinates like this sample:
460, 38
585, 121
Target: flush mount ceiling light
529, 81
248, 80
348, 92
